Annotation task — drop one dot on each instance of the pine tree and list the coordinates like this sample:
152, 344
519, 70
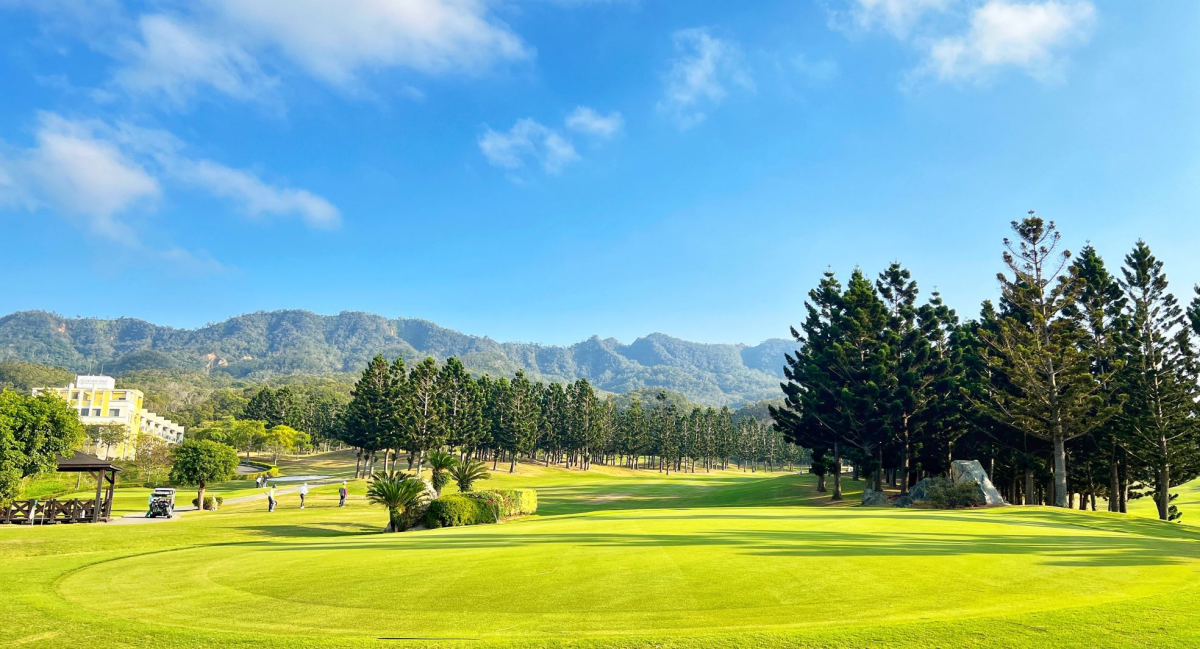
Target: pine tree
1100, 311
1048, 390
1161, 378
426, 428
371, 417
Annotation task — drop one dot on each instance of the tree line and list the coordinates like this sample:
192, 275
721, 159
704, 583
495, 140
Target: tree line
396, 411
1076, 381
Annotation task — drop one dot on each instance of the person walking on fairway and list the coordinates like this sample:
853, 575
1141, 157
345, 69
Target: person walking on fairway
342, 493
303, 493
271, 500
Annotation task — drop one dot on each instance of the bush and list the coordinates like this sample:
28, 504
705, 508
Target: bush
515, 502
462, 509
209, 502
944, 494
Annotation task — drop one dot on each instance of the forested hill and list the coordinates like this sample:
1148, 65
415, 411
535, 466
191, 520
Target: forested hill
261, 345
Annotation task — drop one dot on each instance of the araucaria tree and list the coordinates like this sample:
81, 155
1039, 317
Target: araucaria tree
1160, 378
1047, 388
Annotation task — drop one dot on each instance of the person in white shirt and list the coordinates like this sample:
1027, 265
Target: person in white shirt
271, 500
303, 493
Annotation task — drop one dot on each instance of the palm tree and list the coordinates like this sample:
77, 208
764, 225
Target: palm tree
467, 473
441, 462
397, 491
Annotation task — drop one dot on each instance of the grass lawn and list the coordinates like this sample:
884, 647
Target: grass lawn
615, 558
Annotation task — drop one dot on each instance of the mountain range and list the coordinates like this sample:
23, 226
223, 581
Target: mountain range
265, 344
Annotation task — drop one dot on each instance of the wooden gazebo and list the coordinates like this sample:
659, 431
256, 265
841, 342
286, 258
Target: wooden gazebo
74, 510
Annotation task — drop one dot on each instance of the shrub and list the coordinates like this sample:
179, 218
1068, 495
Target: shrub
209, 502
515, 502
462, 509
944, 494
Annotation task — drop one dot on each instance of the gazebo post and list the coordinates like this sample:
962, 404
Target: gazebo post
99, 485
112, 484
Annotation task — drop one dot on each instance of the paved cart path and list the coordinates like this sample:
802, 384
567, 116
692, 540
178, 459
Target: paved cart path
138, 518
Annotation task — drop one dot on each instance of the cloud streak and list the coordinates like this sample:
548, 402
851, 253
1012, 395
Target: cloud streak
528, 141
104, 174
227, 45
702, 73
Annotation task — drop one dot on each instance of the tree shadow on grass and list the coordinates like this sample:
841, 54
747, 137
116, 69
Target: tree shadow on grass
1056, 549
321, 530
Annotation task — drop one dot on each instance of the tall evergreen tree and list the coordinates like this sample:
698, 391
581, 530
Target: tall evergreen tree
371, 417
1162, 380
1100, 311
426, 428
1049, 390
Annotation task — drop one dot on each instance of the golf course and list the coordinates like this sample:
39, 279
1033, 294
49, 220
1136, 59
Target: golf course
614, 558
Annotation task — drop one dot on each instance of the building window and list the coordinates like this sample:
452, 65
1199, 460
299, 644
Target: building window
114, 412
95, 412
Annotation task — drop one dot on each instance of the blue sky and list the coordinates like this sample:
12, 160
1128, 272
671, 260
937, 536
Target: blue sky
548, 170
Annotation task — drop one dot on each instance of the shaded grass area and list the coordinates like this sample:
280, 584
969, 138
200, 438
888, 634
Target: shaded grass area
615, 558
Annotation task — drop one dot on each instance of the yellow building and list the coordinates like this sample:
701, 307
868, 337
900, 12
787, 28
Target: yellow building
99, 402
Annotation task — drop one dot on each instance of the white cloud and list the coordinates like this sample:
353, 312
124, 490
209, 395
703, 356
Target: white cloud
226, 44
74, 172
255, 197
528, 141
896, 16
700, 76
587, 120
176, 60
1029, 36
100, 172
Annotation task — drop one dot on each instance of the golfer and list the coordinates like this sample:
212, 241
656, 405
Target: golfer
342, 493
271, 500
303, 493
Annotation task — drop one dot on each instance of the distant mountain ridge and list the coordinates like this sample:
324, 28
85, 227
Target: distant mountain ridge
263, 344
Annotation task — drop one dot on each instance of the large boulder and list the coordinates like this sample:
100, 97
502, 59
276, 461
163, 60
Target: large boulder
903, 501
872, 498
920, 491
971, 471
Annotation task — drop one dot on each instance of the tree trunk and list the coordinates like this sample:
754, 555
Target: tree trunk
878, 485
1114, 486
199, 498
1060, 471
837, 473
1164, 481
1030, 488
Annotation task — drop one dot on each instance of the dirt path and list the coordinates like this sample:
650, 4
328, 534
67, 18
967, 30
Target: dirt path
139, 518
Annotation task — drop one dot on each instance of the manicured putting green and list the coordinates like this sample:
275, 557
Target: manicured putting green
615, 558
630, 572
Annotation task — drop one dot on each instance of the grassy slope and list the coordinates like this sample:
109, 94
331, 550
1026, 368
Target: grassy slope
614, 558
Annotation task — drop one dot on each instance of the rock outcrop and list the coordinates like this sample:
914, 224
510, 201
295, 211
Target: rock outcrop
961, 471
972, 471
872, 498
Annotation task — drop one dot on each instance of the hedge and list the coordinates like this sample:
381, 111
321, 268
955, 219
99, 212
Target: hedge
461, 509
515, 502
480, 507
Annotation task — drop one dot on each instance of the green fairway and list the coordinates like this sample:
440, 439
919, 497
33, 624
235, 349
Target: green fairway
614, 558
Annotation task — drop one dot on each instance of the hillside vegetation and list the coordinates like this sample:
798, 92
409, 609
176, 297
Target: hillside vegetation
263, 345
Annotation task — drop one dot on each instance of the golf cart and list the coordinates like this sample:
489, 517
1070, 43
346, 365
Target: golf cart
162, 503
